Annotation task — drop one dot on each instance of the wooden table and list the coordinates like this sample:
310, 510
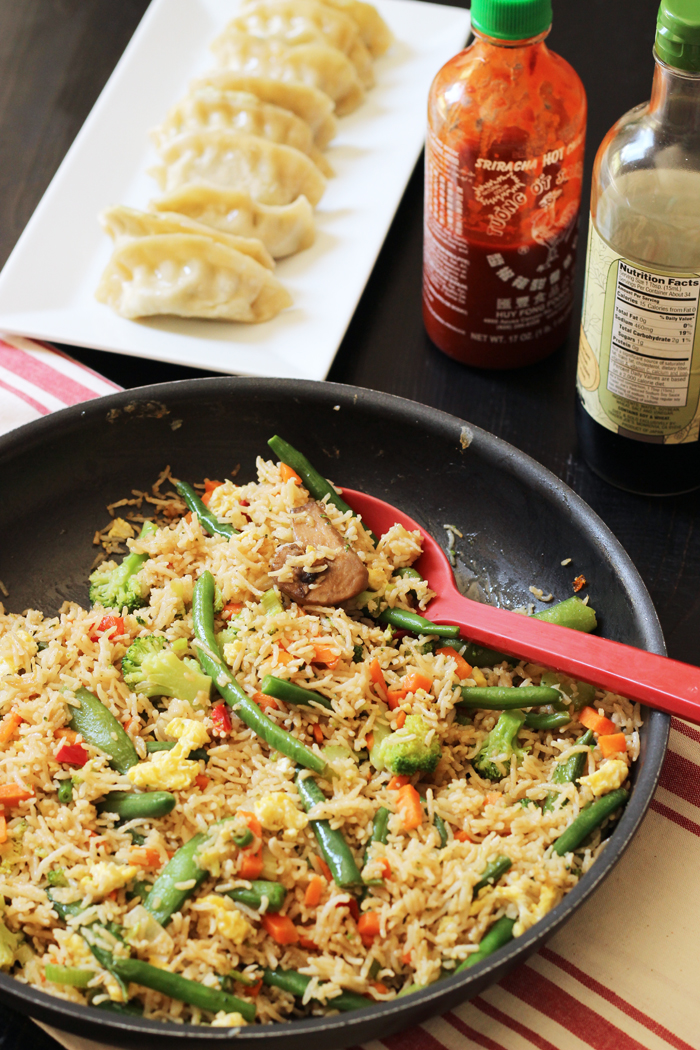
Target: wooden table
56, 55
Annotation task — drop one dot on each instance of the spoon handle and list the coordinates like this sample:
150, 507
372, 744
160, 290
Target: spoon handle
664, 684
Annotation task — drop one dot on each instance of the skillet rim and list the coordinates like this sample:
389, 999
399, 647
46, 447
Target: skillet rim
95, 1023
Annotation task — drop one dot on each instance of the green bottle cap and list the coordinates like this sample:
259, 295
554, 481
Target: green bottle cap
678, 34
512, 19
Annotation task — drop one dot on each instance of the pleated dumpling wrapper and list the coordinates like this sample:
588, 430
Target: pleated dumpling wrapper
270, 173
313, 106
317, 65
208, 110
297, 22
189, 276
283, 229
374, 32
120, 222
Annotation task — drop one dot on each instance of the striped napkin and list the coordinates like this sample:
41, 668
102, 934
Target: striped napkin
623, 974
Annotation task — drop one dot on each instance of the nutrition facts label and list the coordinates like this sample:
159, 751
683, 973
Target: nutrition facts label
653, 331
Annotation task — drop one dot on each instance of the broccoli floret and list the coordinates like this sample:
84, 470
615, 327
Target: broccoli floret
115, 586
493, 760
149, 668
405, 751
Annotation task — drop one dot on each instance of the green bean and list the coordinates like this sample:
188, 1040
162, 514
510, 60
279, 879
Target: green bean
568, 772
335, 850
200, 754
65, 792
316, 484
461, 717
547, 721
65, 911
406, 620
441, 830
297, 983
132, 1009
589, 819
206, 517
503, 697
259, 888
72, 975
379, 833
100, 729
244, 839
407, 573
164, 898
291, 693
492, 872
128, 805
212, 664
572, 613
240, 978
500, 933
479, 656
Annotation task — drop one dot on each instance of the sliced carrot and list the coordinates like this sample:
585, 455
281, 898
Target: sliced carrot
314, 891
3, 828
413, 682
409, 805
287, 474
394, 697
406, 957
145, 857
377, 676
280, 928
492, 797
131, 722
368, 927
306, 942
324, 654
201, 781
401, 720
11, 794
66, 734
370, 740
210, 485
231, 609
386, 868
462, 836
612, 744
254, 990
325, 870
599, 724
380, 988
283, 657
205, 497
8, 727
464, 670
398, 782
318, 733
189, 516
252, 822
250, 865
263, 701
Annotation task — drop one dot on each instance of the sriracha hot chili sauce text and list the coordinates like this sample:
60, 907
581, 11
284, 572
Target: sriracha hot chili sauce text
503, 171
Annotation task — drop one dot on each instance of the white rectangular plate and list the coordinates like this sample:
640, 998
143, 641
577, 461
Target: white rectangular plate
47, 286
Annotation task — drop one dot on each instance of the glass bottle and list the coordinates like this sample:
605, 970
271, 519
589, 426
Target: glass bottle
504, 165
638, 381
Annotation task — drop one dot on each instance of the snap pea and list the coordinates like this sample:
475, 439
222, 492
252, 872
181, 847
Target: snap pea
128, 805
65, 792
407, 573
589, 819
580, 694
493, 871
206, 517
297, 983
573, 613
164, 898
291, 693
500, 933
200, 754
568, 772
72, 975
406, 620
211, 663
479, 656
503, 698
547, 721
335, 850
101, 729
259, 888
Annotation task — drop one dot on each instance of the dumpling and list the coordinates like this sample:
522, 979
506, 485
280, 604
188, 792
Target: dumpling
120, 221
317, 65
190, 276
295, 22
313, 106
283, 230
270, 173
209, 109
374, 31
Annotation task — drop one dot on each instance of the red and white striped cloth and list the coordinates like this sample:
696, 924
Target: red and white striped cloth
623, 974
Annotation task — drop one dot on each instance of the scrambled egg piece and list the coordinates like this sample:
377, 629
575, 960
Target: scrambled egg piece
16, 651
216, 848
228, 920
120, 530
532, 913
171, 770
278, 812
105, 877
78, 952
224, 1020
610, 776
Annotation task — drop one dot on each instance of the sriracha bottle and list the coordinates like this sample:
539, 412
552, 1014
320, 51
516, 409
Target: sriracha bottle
503, 173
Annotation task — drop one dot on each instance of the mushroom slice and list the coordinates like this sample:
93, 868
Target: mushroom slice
337, 575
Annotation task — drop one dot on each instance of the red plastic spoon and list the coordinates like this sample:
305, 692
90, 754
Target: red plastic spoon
667, 685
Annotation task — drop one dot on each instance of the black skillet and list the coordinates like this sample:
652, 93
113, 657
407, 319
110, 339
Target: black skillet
519, 523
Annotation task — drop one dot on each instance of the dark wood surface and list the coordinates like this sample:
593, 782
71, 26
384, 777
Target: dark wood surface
55, 57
